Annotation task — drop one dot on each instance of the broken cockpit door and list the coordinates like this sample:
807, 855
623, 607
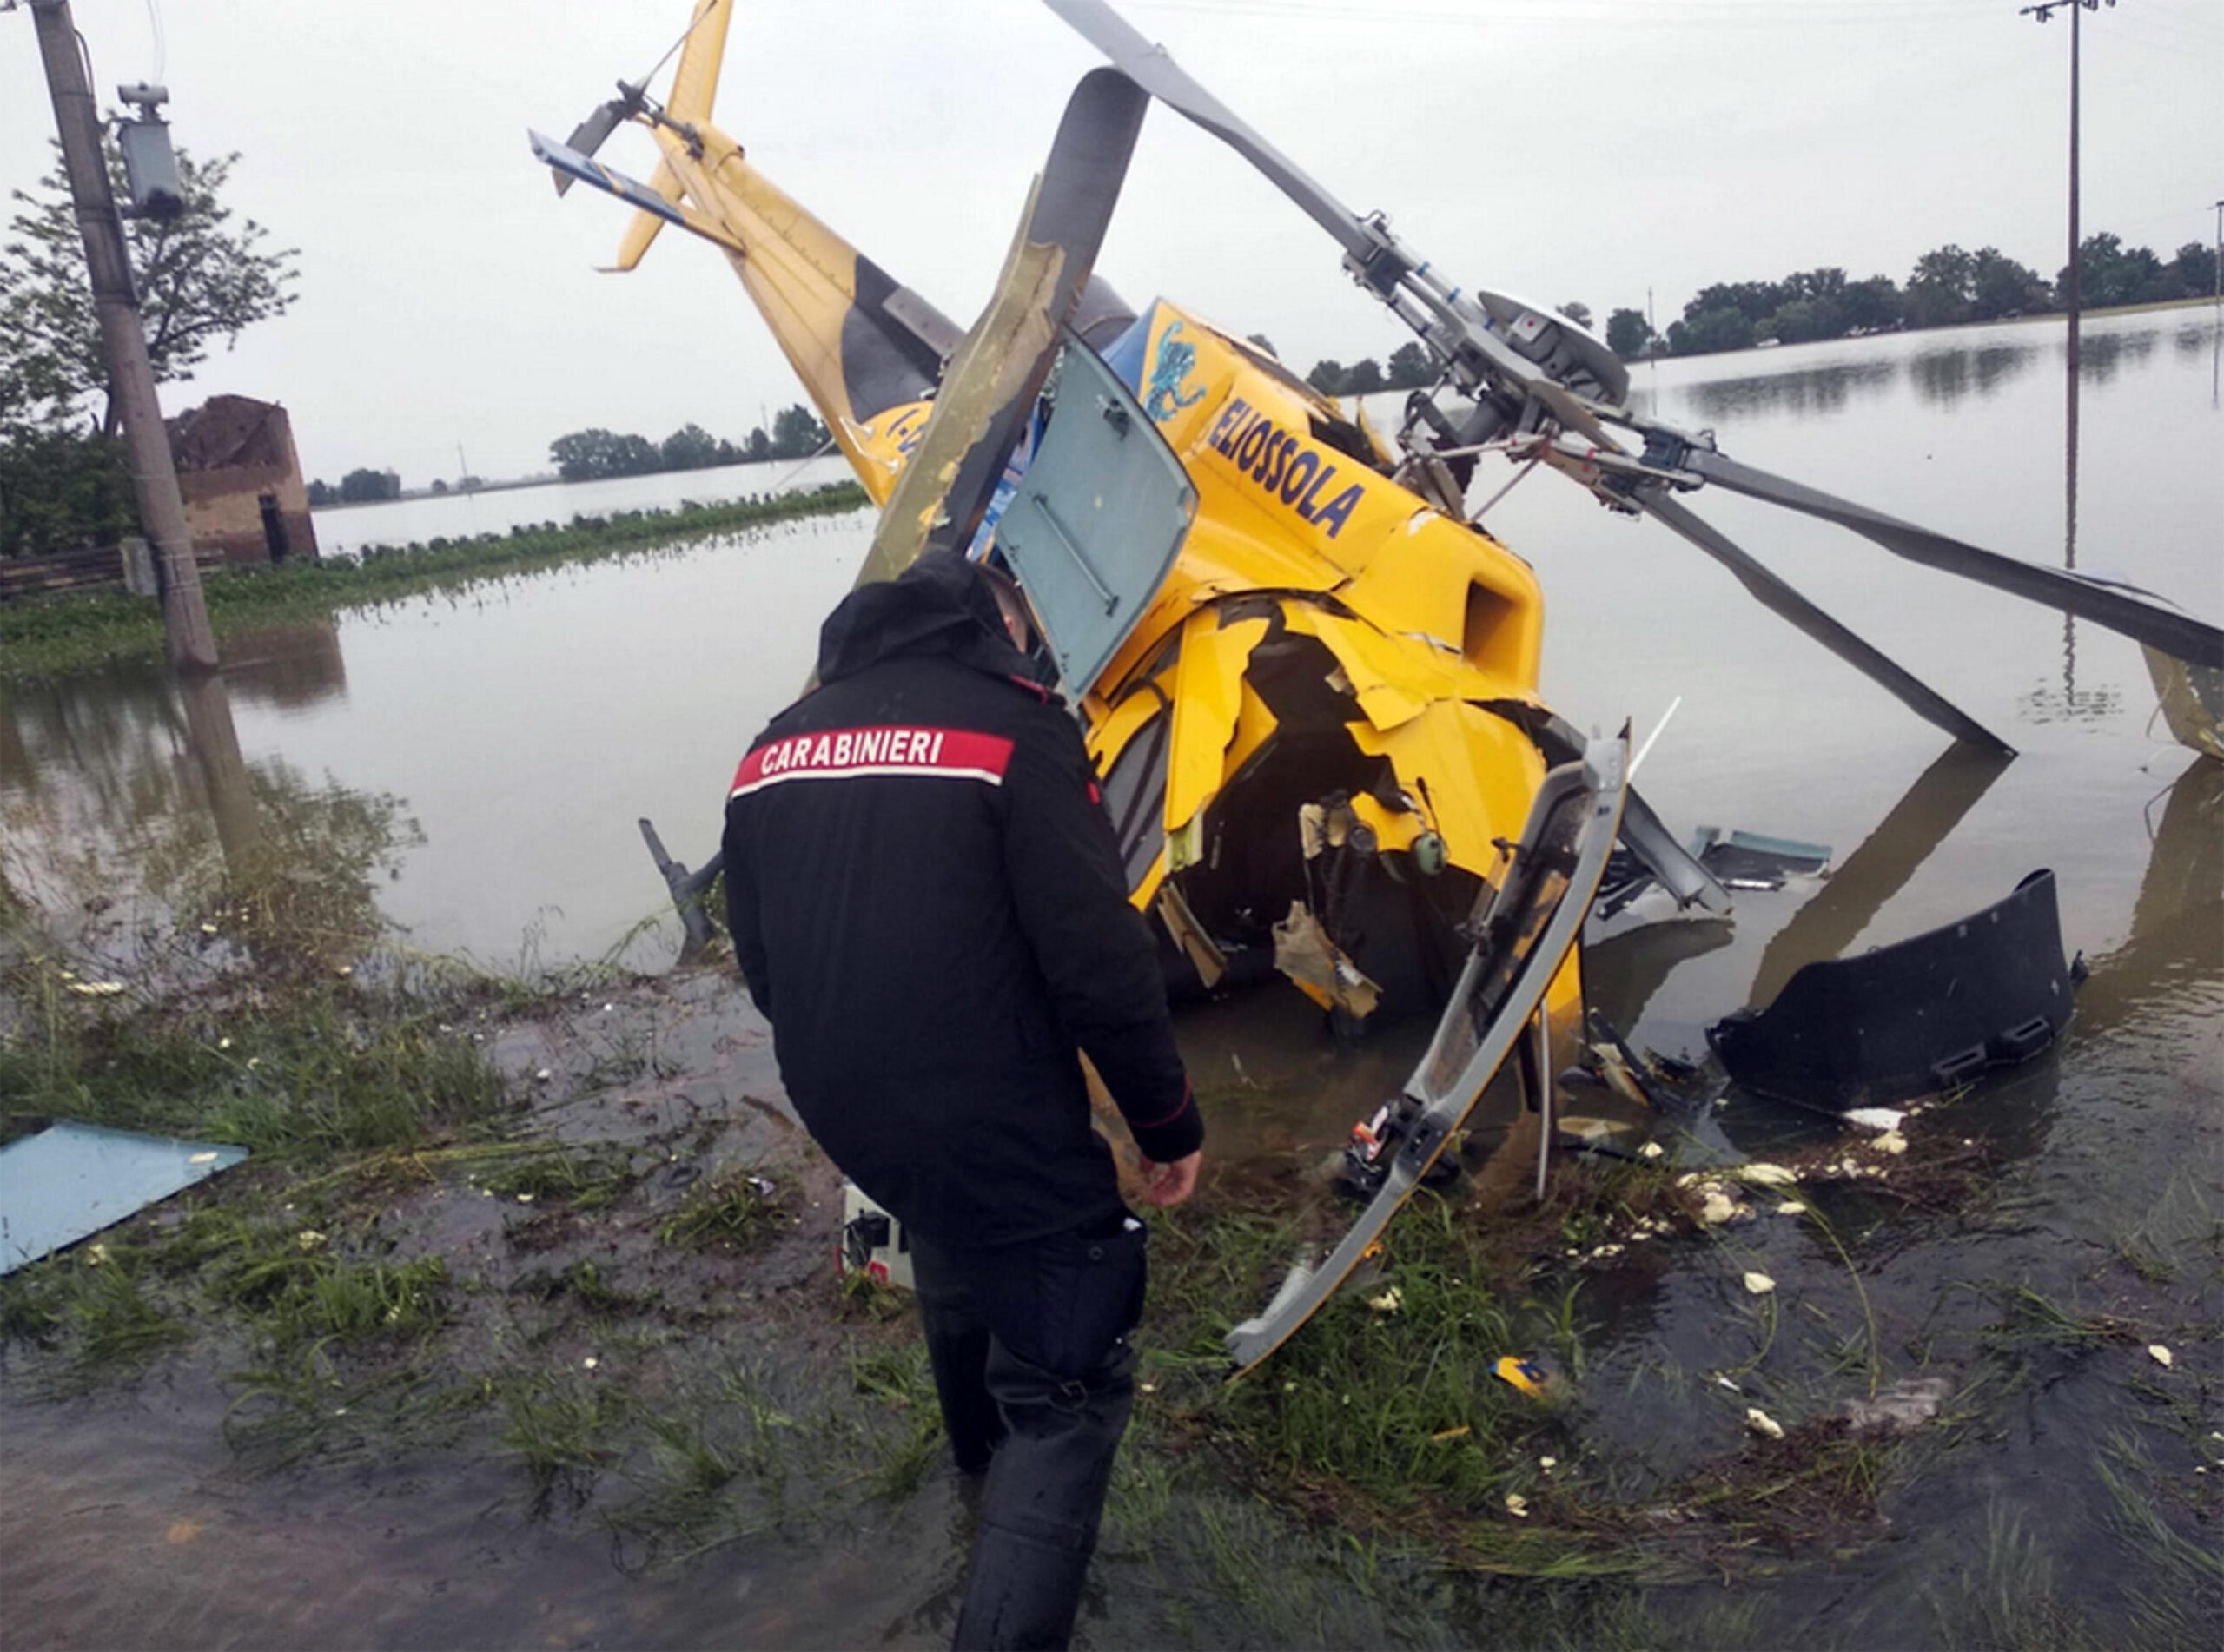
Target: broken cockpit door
1096, 522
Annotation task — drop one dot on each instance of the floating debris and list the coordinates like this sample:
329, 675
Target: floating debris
1762, 1424
1759, 1284
1653, 1150
1876, 1119
1791, 1207
96, 988
1905, 1405
1530, 1374
69, 1181
2160, 1355
1762, 1175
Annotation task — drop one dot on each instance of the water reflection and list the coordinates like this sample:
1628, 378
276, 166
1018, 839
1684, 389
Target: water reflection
2104, 355
110, 733
1835, 916
2168, 966
213, 741
127, 798
1804, 392
1945, 377
291, 667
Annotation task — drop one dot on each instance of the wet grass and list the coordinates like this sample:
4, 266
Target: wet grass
41, 636
735, 1212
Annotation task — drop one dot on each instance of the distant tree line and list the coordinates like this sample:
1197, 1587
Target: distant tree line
362, 487
1947, 287
591, 455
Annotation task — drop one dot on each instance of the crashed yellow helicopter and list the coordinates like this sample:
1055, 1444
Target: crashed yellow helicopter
1307, 677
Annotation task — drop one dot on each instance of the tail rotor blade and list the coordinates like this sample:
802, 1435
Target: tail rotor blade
988, 391
2135, 613
1779, 598
591, 135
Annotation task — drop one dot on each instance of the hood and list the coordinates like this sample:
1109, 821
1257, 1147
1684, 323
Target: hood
942, 606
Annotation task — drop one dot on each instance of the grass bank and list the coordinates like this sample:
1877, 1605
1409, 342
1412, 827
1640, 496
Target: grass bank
42, 634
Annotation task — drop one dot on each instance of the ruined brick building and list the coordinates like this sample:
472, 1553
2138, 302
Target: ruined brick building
242, 480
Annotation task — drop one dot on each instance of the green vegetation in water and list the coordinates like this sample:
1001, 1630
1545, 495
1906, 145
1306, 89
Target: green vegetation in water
737, 1211
42, 634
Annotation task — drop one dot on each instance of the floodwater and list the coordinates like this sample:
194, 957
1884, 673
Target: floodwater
524, 726
342, 528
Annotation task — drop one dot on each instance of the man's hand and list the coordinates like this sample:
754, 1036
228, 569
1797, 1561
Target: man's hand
1168, 1185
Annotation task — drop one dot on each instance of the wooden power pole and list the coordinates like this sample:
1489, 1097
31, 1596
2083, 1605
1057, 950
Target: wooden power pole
131, 379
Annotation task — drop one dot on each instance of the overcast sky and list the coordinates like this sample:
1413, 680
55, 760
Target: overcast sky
1563, 148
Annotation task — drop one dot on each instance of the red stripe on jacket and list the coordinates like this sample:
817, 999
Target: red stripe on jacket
848, 754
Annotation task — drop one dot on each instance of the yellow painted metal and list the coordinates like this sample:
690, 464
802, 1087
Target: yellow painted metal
1473, 774
1208, 701
1428, 619
1253, 723
994, 369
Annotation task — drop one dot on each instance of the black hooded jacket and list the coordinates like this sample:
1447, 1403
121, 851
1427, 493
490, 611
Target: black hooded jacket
927, 903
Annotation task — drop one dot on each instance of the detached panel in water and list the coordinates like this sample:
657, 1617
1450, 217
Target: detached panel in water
1922, 1014
1097, 520
73, 1180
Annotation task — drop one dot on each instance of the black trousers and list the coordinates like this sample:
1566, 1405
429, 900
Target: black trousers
1030, 1348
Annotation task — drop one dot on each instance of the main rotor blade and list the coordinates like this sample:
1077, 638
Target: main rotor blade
987, 392
2127, 608
1779, 598
1150, 66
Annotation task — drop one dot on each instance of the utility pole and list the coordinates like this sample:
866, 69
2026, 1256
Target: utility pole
2073, 279
2216, 265
2043, 12
131, 379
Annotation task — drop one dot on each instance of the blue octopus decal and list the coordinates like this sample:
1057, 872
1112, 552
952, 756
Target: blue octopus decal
1176, 358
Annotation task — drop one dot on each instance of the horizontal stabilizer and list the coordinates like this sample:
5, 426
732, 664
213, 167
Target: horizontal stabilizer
569, 161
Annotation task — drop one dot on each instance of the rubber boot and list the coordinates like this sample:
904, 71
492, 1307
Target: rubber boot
1045, 1494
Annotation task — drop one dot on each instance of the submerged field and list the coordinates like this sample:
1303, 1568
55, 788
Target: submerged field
342, 1394
535, 1280
41, 636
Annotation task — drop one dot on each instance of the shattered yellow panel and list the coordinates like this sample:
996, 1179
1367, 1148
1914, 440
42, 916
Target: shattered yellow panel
1253, 726
1473, 774
1207, 701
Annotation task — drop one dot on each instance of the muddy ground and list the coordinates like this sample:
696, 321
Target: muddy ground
573, 1366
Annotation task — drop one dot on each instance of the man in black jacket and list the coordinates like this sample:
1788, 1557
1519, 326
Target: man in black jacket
928, 904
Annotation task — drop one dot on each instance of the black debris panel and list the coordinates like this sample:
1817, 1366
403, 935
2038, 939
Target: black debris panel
1924, 1014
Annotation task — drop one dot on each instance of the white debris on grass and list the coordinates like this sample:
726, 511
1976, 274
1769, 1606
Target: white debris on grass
1761, 1175
1653, 1150
1517, 1505
1388, 1302
1876, 1119
1762, 1424
1906, 1404
1891, 1141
